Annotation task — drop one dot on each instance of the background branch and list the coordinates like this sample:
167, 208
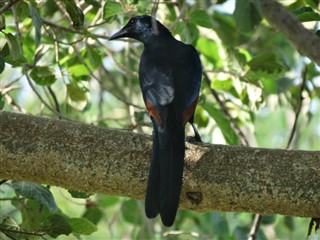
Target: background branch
217, 177
305, 41
8, 5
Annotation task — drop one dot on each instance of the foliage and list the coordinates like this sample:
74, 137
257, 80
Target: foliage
55, 61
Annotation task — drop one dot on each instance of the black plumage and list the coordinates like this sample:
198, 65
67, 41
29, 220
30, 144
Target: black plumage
170, 77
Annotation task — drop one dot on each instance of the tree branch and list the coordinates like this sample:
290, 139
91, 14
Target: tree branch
217, 177
8, 5
306, 42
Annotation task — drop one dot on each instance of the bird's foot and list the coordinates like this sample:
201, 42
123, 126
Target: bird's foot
195, 139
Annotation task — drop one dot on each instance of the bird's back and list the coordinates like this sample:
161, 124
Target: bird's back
173, 70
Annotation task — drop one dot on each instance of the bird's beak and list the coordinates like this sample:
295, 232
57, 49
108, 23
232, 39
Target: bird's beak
120, 34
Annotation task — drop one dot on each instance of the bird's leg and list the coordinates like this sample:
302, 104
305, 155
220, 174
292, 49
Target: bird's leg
196, 137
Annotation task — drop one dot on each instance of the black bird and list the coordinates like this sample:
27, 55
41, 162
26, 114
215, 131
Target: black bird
170, 77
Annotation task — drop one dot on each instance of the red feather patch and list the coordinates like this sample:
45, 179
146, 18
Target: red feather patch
154, 113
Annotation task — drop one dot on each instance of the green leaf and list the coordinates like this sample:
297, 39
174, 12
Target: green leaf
9, 223
76, 93
82, 226
77, 194
188, 33
77, 97
296, 4
2, 102
224, 85
2, 23
37, 23
267, 61
49, 8
219, 224
94, 3
247, 15
111, 9
306, 14
2, 64
269, 80
283, 84
16, 57
93, 214
227, 31
33, 214
171, 12
43, 75
3, 45
200, 117
21, 10
94, 57
313, 3
36, 192
210, 50
130, 212
201, 18
75, 14
289, 222
107, 200
56, 225
221, 1
223, 123
240, 54
78, 70
268, 219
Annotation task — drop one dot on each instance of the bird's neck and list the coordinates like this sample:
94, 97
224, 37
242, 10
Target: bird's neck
159, 41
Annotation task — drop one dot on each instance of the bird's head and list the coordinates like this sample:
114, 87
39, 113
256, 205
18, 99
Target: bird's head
141, 28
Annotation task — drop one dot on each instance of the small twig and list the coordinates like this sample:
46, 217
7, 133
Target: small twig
6, 90
54, 97
123, 97
299, 105
182, 12
222, 71
8, 6
316, 222
46, 22
62, 28
154, 8
119, 65
13, 103
241, 135
255, 227
179, 232
22, 232
99, 23
13, 198
41, 99
13, 82
3, 181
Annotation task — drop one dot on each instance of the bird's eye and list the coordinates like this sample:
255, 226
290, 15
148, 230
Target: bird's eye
132, 21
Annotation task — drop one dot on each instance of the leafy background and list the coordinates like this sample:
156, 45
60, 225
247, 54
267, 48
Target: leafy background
56, 61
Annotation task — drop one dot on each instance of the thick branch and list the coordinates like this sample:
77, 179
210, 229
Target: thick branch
304, 40
217, 178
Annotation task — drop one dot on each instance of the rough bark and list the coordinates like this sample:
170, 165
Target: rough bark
217, 177
305, 41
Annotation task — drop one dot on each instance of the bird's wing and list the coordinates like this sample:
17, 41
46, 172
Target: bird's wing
194, 72
156, 82
187, 75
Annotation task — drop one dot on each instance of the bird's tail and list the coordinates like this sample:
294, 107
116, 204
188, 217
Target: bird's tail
166, 171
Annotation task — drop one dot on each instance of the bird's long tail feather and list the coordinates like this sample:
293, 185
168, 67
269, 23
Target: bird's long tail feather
152, 200
166, 171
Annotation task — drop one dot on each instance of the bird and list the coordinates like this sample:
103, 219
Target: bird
170, 79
